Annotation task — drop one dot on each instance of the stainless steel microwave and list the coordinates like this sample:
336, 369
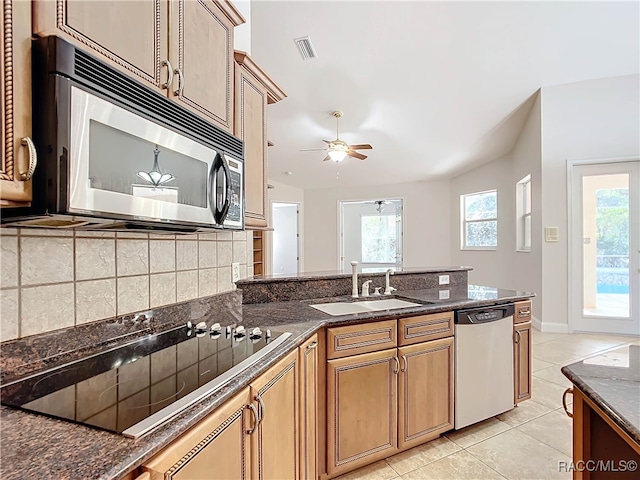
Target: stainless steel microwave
114, 154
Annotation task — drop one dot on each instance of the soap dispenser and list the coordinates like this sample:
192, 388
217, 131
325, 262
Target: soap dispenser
365, 288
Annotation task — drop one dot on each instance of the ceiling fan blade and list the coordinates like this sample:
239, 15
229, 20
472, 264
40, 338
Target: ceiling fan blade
357, 155
312, 149
326, 141
363, 146
326, 158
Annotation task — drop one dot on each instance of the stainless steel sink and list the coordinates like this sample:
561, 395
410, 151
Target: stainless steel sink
343, 308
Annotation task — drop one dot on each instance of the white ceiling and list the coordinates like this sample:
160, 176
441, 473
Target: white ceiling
435, 87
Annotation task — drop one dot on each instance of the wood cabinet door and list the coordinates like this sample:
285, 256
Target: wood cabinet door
425, 391
522, 361
15, 106
309, 411
251, 126
201, 51
275, 443
217, 448
130, 35
361, 410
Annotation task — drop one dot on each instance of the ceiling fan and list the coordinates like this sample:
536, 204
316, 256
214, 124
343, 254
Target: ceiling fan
380, 204
337, 150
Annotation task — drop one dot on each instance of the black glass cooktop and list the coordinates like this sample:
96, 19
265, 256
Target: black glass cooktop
147, 381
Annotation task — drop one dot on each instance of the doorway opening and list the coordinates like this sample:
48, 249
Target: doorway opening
371, 232
286, 238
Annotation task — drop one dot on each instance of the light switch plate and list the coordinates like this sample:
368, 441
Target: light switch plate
443, 279
551, 234
235, 272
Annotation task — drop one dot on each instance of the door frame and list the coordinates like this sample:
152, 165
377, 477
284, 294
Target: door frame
362, 200
269, 246
571, 210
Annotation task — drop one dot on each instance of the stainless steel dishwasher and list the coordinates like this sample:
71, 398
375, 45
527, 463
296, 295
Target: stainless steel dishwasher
484, 363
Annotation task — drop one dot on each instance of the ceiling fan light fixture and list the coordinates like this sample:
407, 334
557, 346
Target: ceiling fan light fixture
337, 155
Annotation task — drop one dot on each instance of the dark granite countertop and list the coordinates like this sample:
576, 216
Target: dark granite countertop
35, 446
611, 380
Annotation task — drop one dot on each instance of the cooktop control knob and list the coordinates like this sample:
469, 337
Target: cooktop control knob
267, 335
215, 331
239, 332
201, 326
189, 325
255, 335
227, 331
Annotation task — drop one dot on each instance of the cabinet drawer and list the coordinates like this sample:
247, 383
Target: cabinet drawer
425, 327
523, 312
356, 339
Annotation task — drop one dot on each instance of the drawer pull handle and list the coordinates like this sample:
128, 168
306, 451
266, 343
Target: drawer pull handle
524, 313
252, 407
33, 159
397, 369
568, 391
312, 345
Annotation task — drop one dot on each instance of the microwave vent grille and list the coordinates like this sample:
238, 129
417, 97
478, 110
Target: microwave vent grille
139, 98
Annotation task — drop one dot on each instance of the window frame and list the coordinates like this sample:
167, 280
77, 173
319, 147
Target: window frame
522, 213
464, 222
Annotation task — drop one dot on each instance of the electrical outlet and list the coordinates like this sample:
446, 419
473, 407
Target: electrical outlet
444, 294
443, 279
235, 272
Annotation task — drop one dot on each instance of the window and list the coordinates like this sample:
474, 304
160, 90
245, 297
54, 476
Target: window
379, 238
523, 209
479, 212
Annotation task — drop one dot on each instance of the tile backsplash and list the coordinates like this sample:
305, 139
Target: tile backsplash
53, 279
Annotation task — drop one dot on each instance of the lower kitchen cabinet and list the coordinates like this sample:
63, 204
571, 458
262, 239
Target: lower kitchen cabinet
309, 408
522, 361
254, 435
217, 448
361, 409
274, 445
425, 391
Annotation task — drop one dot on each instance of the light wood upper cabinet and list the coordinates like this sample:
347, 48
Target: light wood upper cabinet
182, 48
130, 35
201, 52
522, 361
361, 410
275, 443
309, 408
215, 449
15, 106
254, 91
425, 391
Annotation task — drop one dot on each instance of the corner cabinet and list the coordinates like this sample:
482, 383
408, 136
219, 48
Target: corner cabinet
182, 48
254, 435
254, 91
18, 154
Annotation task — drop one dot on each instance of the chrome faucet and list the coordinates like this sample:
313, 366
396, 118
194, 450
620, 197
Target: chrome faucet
388, 288
354, 272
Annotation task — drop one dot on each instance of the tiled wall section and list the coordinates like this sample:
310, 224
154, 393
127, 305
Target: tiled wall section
53, 279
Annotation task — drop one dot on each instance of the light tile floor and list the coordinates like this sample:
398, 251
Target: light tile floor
527, 442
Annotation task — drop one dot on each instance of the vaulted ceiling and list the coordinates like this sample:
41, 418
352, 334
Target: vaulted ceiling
435, 87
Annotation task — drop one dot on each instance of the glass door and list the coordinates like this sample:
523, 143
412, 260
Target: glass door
606, 248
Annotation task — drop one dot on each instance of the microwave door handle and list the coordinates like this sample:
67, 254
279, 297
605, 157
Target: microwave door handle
219, 214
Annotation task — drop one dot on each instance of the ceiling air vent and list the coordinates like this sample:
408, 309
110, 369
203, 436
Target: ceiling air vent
306, 48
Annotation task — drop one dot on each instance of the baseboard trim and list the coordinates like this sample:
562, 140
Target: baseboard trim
550, 327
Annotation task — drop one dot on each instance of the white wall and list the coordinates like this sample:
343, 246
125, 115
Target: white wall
490, 267
242, 33
426, 217
591, 119
525, 268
